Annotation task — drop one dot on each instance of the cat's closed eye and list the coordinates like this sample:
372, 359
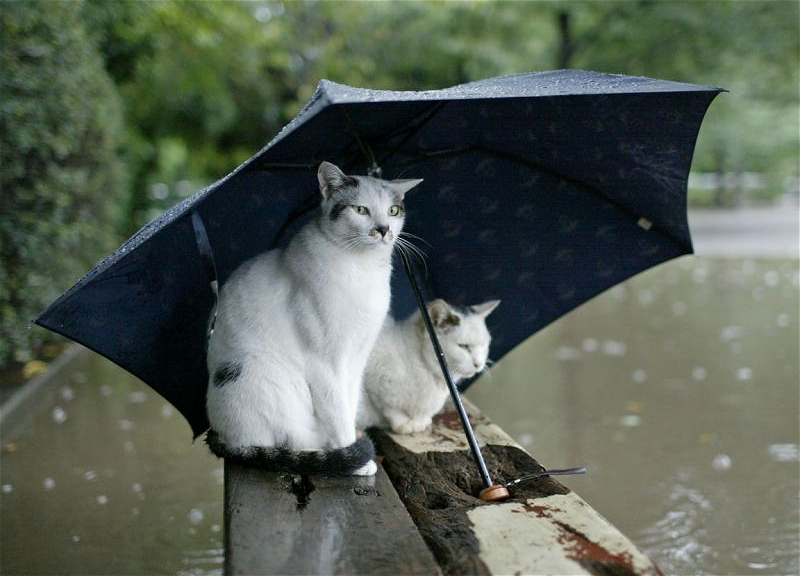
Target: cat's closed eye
363, 210
465, 347
395, 210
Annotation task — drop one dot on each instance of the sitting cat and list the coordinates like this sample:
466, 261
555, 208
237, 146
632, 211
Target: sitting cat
294, 330
403, 384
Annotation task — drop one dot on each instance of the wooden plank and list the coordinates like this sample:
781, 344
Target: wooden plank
291, 524
544, 528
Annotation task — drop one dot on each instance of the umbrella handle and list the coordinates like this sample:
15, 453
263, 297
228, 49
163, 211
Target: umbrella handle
491, 490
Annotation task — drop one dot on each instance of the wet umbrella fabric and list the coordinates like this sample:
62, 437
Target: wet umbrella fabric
540, 189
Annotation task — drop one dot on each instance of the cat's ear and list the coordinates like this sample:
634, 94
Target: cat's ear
332, 178
486, 308
400, 187
442, 316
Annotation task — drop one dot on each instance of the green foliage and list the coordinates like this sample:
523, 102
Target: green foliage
61, 178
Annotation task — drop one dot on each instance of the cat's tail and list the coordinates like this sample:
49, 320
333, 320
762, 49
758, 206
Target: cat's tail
336, 462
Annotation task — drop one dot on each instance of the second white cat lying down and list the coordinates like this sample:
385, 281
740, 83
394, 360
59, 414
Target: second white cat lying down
403, 384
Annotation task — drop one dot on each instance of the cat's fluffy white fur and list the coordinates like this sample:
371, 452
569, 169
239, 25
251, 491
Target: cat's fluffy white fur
295, 325
403, 384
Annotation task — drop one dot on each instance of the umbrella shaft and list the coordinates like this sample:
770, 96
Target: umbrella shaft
462, 414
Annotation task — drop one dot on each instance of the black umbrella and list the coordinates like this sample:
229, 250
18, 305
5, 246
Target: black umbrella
540, 189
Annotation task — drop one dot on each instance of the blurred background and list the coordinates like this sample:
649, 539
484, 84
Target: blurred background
679, 388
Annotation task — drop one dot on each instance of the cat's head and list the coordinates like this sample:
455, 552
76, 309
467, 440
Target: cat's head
361, 212
463, 335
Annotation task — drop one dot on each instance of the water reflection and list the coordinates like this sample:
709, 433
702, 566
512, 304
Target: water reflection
101, 474
679, 391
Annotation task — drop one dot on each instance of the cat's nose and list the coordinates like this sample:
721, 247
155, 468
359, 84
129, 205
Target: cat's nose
382, 230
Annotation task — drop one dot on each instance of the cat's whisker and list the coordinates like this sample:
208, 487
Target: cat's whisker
415, 237
412, 251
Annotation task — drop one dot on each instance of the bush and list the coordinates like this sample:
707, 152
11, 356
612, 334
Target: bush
60, 178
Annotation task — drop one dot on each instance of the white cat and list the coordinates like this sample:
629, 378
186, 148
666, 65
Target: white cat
403, 384
294, 330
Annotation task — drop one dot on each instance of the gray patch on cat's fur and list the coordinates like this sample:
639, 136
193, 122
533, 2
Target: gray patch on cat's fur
226, 373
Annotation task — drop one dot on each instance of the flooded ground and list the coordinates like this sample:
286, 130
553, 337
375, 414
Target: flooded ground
678, 390
99, 476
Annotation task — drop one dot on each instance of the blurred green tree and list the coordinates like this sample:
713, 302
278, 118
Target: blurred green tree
61, 177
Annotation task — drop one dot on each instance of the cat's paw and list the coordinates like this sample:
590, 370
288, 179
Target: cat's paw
368, 469
411, 426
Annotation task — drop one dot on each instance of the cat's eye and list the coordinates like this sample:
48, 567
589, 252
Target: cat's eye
363, 210
395, 210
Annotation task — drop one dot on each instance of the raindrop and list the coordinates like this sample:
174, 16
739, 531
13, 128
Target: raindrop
772, 278
135, 511
125, 425
731, 333
783, 320
744, 373
137, 397
630, 420
645, 297
102, 499
195, 516
59, 415
568, 353
699, 373
525, 439
127, 446
90, 475
216, 528
614, 348
639, 376
590, 345
721, 462
76, 538
7, 488
166, 411
67, 393
784, 452
48, 483
105, 390
136, 487
679, 308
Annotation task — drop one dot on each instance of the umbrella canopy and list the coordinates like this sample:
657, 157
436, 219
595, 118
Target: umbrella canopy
540, 189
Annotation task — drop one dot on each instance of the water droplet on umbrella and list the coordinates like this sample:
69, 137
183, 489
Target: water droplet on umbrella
48, 483
721, 462
59, 415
